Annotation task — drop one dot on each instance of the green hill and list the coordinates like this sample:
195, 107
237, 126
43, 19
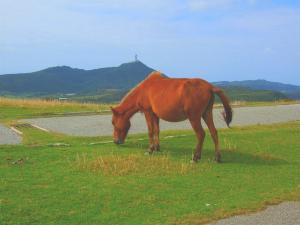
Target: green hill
290, 91
247, 94
235, 94
111, 84
63, 80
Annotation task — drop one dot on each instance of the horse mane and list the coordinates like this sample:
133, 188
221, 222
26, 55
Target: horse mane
152, 74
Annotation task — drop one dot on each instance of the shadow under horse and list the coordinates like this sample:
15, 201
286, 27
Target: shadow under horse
173, 100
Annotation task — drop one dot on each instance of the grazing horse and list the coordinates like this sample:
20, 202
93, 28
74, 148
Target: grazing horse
173, 100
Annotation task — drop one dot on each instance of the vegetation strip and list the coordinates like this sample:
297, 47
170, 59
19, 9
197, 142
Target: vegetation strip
16, 131
40, 128
139, 139
100, 142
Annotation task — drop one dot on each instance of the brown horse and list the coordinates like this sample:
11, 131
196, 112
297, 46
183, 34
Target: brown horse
173, 100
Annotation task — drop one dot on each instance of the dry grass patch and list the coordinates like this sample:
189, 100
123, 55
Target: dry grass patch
134, 164
38, 103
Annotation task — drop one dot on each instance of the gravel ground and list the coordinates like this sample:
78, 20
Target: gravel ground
287, 213
8, 137
100, 125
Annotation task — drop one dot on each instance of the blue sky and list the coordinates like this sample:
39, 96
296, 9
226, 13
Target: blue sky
213, 39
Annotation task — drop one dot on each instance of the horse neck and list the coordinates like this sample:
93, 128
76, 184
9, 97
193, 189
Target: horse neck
128, 104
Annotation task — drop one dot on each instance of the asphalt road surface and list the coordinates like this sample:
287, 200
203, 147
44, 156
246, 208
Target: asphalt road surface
100, 125
287, 213
8, 136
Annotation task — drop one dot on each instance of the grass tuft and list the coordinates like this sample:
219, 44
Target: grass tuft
133, 164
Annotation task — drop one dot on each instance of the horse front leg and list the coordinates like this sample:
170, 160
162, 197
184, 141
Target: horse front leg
200, 133
149, 121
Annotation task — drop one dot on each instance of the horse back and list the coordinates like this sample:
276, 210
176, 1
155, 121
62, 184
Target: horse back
171, 98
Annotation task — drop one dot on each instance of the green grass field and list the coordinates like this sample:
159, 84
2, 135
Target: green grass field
80, 182
57, 179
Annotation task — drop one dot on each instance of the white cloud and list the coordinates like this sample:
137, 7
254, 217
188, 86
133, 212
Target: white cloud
169, 34
201, 5
268, 50
277, 19
252, 2
124, 4
204, 5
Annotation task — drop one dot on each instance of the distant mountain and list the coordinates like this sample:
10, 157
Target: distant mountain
236, 93
291, 91
111, 84
64, 79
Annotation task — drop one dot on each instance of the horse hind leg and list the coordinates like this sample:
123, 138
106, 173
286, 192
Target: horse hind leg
156, 133
208, 118
200, 133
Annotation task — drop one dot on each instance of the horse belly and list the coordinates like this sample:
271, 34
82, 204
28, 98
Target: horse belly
170, 112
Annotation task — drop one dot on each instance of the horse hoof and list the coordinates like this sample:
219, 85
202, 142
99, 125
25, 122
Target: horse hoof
148, 153
193, 161
154, 148
218, 160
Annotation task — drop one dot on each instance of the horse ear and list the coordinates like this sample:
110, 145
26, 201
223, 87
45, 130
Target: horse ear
114, 111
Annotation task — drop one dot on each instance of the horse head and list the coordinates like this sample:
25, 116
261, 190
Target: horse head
121, 126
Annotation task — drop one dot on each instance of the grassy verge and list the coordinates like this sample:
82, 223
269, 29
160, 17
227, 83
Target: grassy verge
77, 182
271, 103
257, 104
13, 109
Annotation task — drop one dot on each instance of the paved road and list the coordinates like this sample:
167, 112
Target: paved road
101, 124
287, 213
8, 137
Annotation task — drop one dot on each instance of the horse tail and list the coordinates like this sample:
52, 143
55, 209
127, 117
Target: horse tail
227, 114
